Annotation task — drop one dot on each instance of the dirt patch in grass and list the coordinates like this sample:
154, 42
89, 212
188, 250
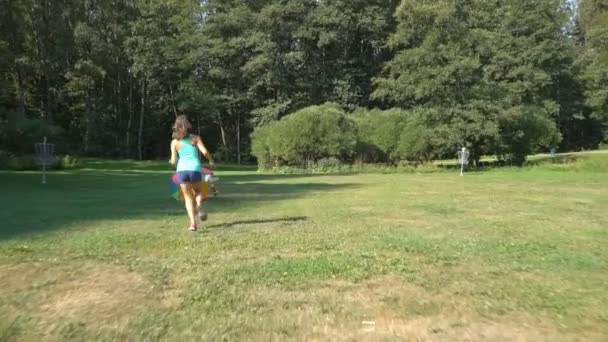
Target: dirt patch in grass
391, 309
440, 328
100, 294
172, 296
95, 295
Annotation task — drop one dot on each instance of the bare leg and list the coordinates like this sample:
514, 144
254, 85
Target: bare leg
200, 204
189, 201
199, 200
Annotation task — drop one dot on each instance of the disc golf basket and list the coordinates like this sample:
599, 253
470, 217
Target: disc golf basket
45, 156
463, 159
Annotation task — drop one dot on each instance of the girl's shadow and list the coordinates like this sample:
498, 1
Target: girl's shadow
259, 221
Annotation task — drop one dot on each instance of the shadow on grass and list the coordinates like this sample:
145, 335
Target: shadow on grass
233, 224
75, 198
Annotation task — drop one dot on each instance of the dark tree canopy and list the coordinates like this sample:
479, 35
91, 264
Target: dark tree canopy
107, 78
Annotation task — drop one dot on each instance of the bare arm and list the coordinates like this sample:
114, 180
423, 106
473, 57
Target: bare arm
173, 159
204, 151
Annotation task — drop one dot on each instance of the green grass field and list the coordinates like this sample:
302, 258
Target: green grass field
508, 254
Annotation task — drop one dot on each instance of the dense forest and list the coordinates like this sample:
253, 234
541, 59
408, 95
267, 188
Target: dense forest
404, 80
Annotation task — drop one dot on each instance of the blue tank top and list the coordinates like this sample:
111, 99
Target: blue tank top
188, 157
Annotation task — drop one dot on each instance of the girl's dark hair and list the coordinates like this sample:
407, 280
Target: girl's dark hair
181, 127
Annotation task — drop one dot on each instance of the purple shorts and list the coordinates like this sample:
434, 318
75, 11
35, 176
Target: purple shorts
189, 177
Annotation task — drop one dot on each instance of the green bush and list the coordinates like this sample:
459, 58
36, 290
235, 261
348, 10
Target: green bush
378, 134
394, 136
22, 163
68, 162
369, 153
20, 133
260, 148
523, 131
327, 165
4, 159
305, 137
416, 143
28, 162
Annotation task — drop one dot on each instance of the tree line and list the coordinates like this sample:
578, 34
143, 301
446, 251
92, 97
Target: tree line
107, 77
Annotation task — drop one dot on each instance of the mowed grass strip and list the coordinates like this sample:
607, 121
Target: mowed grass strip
507, 254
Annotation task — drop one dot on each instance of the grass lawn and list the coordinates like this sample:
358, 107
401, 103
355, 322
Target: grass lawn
508, 254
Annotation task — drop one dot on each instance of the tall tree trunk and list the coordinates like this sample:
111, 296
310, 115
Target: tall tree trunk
141, 120
42, 111
43, 56
173, 101
20, 90
49, 100
118, 110
17, 50
238, 138
223, 132
87, 123
130, 118
198, 124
